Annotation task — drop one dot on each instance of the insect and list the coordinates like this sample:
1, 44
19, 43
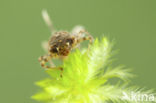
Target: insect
61, 43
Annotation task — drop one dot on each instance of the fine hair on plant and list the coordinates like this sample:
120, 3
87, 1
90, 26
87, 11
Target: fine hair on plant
87, 78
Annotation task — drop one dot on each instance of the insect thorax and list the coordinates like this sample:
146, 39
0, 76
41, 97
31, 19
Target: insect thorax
61, 43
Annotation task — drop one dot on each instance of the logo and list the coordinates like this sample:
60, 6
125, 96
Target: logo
138, 97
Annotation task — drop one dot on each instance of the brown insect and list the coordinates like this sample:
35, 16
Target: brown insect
62, 42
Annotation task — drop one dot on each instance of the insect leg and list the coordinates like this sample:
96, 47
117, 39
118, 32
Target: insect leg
47, 20
77, 29
44, 59
88, 37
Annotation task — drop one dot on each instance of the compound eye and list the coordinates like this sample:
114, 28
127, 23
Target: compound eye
70, 41
54, 49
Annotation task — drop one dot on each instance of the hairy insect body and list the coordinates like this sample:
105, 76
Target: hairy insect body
61, 43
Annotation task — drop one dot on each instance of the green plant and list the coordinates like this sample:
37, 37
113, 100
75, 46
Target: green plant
87, 78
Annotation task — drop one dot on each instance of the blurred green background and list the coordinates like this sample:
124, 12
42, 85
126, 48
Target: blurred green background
132, 23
